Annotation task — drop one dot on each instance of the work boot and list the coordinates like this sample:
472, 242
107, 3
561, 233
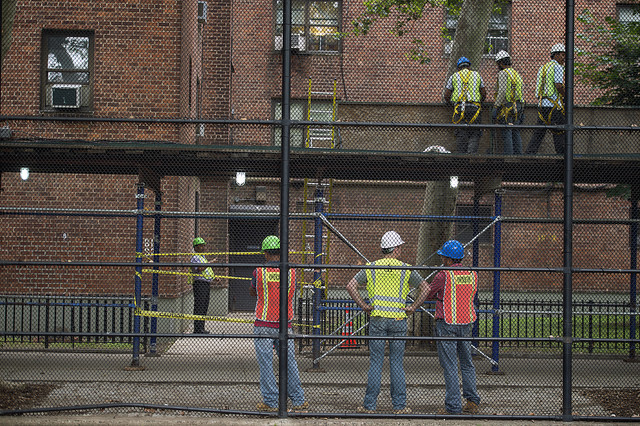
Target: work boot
362, 409
302, 407
405, 410
470, 408
264, 407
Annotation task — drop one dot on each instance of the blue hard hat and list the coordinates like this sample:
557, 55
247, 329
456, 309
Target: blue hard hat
463, 60
452, 249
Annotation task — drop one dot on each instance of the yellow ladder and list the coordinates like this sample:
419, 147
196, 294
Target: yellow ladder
320, 136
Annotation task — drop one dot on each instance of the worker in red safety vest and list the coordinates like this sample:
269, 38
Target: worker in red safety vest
454, 292
265, 285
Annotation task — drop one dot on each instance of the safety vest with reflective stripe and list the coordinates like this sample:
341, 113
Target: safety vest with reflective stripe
466, 86
268, 293
207, 274
388, 288
459, 291
514, 86
545, 82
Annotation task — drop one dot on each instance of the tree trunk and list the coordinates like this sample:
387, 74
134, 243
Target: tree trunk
469, 39
439, 197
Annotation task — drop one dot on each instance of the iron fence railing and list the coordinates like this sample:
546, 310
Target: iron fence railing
519, 319
65, 318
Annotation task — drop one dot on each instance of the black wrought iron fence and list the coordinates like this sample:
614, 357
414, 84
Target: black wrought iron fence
518, 319
69, 322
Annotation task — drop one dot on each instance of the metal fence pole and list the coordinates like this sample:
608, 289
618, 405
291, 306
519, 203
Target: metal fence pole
495, 349
135, 362
156, 277
567, 287
284, 209
633, 301
317, 274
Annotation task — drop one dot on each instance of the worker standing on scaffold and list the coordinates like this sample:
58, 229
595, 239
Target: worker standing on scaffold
465, 91
265, 285
454, 292
202, 280
550, 92
388, 290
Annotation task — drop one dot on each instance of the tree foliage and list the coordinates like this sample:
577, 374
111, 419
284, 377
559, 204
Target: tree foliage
608, 59
403, 13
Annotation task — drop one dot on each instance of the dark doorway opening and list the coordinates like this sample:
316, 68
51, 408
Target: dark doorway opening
246, 235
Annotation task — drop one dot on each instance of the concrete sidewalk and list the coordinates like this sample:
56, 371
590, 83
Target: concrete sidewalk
217, 373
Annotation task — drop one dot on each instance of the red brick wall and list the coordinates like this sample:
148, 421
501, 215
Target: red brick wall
141, 70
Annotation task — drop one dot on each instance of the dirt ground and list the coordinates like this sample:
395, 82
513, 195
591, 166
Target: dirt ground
621, 402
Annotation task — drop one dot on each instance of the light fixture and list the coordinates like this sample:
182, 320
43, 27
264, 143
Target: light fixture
241, 178
453, 182
24, 173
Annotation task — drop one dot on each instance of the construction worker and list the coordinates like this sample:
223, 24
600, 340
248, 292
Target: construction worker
508, 107
465, 91
202, 280
550, 93
265, 285
454, 292
387, 290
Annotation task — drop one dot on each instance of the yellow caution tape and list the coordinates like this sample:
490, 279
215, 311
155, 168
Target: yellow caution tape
153, 271
143, 313
234, 253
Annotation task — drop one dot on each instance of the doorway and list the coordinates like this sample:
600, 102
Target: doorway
246, 235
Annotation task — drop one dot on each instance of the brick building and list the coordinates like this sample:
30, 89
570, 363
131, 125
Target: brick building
154, 62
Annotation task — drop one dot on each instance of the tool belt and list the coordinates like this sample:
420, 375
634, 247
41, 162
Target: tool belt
510, 112
557, 106
459, 111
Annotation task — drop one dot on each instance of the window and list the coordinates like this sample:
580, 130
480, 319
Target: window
321, 110
67, 70
314, 25
464, 230
628, 14
497, 36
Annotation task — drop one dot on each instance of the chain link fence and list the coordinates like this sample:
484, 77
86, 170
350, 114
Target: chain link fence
129, 130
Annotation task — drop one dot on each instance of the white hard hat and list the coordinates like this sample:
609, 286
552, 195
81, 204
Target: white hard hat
502, 55
557, 48
390, 239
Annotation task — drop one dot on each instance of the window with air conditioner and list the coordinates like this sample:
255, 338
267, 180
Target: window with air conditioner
497, 38
314, 25
67, 70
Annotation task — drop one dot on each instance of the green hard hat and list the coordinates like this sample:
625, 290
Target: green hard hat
198, 241
271, 243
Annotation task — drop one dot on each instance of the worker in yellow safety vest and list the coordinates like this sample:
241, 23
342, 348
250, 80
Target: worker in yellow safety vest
454, 291
202, 279
508, 107
387, 291
465, 91
550, 92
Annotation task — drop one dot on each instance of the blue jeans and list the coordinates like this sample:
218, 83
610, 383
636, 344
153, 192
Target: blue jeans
379, 326
511, 137
449, 352
264, 353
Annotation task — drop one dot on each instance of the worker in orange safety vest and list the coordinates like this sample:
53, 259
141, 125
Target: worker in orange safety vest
454, 292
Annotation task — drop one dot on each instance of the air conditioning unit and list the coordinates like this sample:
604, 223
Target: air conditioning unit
66, 95
298, 42
202, 12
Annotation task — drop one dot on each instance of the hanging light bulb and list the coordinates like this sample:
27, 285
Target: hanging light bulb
453, 182
24, 173
241, 178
